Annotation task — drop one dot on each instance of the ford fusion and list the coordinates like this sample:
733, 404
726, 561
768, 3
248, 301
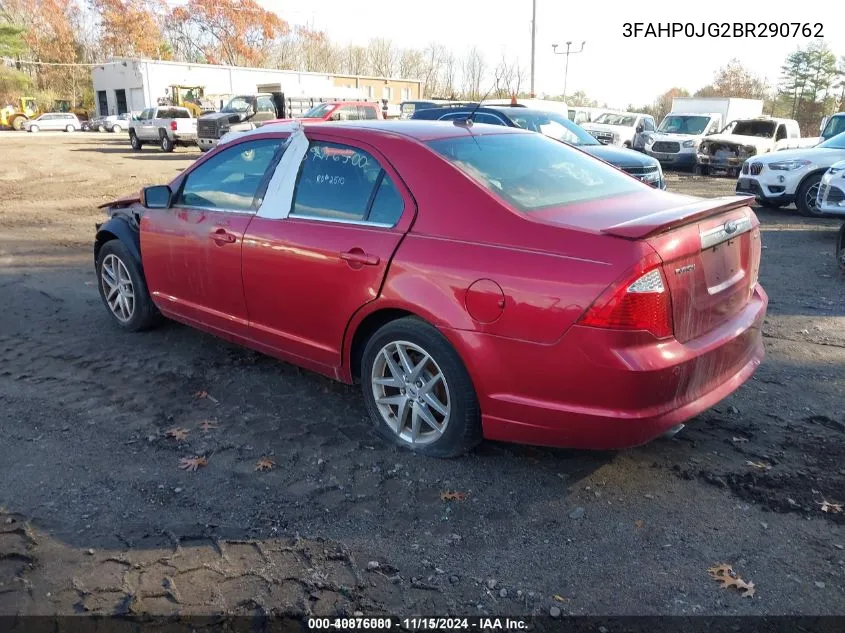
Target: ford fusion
477, 281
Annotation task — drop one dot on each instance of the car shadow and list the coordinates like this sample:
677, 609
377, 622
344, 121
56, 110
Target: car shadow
179, 154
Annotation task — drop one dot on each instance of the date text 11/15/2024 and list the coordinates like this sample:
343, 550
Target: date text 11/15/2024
475, 623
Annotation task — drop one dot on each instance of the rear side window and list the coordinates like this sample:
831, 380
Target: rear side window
340, 182
231, 179
177, 113
532, 172
367, 112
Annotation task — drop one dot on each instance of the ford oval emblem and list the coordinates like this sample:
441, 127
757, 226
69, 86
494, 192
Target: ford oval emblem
731, 227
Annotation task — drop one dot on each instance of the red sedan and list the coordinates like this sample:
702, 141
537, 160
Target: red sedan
478, 281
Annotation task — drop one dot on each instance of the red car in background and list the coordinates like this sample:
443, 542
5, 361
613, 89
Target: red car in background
478, 281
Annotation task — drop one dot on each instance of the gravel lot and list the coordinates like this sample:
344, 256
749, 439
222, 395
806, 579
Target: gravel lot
95, 514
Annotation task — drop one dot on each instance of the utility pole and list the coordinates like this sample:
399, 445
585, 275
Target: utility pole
567, 53
533, 39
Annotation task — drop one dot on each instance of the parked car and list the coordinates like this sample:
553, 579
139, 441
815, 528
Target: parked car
407, 108
793, 175
117, 123
165, 126
832, 125
66, 121
560, 128
728, 150
478, 281
626, 129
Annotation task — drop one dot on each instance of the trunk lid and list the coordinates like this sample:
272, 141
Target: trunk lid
711, 261
710, 249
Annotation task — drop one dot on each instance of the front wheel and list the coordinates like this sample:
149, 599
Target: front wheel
70, 128
101, 128
417, 391
117, 129
123, 288
702, 170
805, 197
134, 141
34, 128
770, 204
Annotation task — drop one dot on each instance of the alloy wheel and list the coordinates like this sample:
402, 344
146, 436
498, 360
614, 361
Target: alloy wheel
810, 197
411, 392
117, 288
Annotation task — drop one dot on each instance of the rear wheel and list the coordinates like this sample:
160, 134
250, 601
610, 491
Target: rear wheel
702, 170
418, 392
70, 128
17, 123
123, 289
167, 144
134, 141
840, 249
805, 197
101, 128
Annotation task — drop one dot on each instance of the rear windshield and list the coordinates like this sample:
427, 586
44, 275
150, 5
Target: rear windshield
533, 172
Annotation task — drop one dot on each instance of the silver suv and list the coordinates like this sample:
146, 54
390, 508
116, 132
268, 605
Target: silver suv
66, 121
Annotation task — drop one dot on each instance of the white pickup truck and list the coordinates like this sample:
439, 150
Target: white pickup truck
165, 126
745, 138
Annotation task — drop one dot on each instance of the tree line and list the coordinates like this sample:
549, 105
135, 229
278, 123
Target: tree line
36, 34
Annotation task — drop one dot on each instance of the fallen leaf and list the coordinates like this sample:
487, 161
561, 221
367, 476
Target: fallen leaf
199, 395
759, 465
638, 523
207, 425
724, 574
265, 463
178, 434
560, 598
192, 463
833, 508
739, 440
447, 495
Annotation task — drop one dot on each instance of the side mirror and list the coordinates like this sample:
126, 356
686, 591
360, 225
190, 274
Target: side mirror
156, 197
640, 128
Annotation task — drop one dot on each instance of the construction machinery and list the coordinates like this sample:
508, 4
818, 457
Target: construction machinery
15, 115
190, 97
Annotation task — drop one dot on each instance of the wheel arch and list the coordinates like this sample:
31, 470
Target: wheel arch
819, 171
118, 228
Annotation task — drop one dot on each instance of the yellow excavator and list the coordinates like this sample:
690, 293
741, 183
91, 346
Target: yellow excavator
15, 115
189, 97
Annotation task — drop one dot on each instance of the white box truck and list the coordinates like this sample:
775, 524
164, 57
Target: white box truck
680, 133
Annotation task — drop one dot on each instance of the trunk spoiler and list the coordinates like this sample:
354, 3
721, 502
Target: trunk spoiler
668, 219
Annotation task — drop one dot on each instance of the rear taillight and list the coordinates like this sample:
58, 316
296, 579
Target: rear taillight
640, 301
173, 125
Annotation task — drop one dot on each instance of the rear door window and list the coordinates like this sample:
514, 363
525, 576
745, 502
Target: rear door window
344, 183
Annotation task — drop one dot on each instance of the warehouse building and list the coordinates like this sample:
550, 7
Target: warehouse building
125, 85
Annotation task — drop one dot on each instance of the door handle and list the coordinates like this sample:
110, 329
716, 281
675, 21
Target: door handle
222, 236
359, 257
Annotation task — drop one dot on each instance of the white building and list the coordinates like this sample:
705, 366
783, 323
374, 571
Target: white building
134, 84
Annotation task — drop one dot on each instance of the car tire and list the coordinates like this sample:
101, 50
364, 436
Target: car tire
167, 145
128, 302
442, 392
34, 129
840, 250
702, 170
101, 128
770, 204
116, 129
135, 142
809, 188
70, 128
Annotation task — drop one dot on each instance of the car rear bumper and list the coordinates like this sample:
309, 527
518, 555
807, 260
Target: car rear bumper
603, 389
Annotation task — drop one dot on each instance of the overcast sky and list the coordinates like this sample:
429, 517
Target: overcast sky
612, 68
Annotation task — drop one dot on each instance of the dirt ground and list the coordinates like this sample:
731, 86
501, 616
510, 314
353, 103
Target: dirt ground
96, 515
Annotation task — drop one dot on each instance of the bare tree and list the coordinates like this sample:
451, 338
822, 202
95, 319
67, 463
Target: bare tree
508, 77
473, 69
410, 63
356, 60
383, 57
446, 76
